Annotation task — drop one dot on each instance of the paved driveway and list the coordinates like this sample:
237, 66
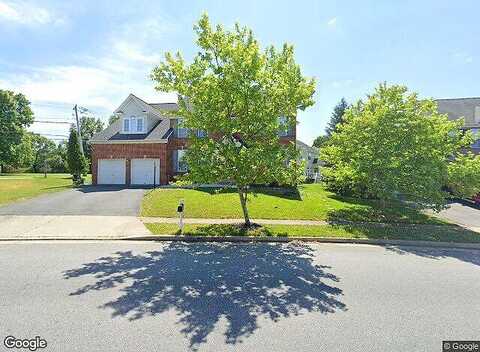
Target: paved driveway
464, 214
83, 213
148, 296
88, 200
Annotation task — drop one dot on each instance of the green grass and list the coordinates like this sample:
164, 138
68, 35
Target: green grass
308, 202
20, 186
450, 233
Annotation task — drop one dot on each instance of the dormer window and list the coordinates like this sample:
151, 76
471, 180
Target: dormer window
134, 124
140, 125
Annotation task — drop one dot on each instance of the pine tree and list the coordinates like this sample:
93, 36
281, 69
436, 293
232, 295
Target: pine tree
77, 164
337, 116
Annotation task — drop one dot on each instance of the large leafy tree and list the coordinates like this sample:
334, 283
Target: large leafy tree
236, 92
15, 117
320, 141
464, 176
77, 163
43, 149
113, 118
393, 143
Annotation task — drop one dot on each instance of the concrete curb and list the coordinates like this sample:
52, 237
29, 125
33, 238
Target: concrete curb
241, 239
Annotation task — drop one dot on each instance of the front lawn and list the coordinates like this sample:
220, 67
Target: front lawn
308, 202
449, 233
27, 185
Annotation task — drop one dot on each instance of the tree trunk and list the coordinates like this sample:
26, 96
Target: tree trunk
242, 192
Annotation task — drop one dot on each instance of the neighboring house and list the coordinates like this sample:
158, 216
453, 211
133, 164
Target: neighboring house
145, 146
469, 109
309, 155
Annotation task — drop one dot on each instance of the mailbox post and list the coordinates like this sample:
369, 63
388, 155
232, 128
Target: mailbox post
180, 211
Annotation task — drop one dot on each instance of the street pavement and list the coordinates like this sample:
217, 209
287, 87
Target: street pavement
150, 296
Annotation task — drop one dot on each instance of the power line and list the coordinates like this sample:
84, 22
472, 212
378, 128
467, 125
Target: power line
55, 122
51, 104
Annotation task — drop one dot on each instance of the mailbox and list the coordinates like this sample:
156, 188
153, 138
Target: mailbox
180, 208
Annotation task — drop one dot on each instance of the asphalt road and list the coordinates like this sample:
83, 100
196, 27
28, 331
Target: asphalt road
88, 200
147, 296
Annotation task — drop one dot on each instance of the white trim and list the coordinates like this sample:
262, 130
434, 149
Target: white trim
141, 104
178, 160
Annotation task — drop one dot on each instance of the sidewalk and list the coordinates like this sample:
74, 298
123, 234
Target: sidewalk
148, 220
70, 226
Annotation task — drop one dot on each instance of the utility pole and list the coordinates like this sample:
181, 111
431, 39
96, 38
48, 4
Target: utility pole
78, 128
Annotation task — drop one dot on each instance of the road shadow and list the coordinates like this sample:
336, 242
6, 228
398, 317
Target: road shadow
471, 256
206, 282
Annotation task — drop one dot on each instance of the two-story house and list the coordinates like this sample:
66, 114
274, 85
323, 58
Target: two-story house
145, 146
310, 156
467, 108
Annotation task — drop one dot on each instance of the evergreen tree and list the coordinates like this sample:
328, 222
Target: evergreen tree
77, 164
337, 116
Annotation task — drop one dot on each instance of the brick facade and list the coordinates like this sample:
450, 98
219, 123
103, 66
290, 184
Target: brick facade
162, 151
130, 151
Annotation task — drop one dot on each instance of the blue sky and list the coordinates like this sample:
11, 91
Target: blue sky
94, 53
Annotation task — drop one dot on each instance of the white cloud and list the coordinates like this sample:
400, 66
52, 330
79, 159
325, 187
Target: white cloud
103, 78
342, 84
332, 22
28, 14
100, 80
463, 57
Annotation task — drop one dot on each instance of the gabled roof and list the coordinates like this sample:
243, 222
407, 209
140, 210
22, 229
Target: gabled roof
306, 147
159, 132
456, 108
164, 106
141, 103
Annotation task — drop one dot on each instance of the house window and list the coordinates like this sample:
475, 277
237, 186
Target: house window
139, 125
201, 133
284, 127
181, 162
133, 124
476, 135
182, 132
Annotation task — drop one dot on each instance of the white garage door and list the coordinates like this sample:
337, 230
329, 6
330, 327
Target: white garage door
144, 171
111, 172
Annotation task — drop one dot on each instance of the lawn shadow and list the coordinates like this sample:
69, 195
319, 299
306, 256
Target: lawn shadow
410, 232
206, 282
228, 230
368, 210
282, 192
